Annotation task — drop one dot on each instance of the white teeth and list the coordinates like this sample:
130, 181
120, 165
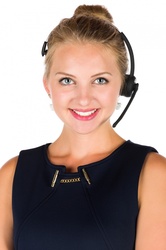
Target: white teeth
84, 113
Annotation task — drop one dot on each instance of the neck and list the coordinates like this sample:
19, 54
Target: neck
82, 145
72, 149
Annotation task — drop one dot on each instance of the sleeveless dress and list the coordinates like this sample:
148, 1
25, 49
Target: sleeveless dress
95, 208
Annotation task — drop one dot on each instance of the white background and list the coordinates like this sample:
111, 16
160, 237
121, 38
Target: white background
26, 119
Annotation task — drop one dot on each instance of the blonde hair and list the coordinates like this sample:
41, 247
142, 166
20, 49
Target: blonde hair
90, 23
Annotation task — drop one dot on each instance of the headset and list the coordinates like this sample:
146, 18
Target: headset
130, 87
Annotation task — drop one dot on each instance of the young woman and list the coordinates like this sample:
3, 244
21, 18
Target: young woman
89, 189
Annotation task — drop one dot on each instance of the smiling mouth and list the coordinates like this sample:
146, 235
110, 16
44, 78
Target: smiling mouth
84, 113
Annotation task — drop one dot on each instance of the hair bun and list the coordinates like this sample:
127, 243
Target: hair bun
93, 10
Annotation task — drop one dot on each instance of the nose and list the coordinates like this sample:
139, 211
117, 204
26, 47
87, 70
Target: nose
84, 95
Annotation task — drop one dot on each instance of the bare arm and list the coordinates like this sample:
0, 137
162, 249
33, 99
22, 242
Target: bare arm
6, 219
151, 228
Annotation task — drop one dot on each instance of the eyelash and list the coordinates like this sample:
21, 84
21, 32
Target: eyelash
98, 81
69, 81
103, 79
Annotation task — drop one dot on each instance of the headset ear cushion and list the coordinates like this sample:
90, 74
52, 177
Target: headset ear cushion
44, 50
129, 86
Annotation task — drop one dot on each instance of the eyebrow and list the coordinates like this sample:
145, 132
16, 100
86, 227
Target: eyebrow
67, 74
63, 73
102, 73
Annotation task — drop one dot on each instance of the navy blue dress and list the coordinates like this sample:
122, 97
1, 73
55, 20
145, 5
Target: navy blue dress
95, 208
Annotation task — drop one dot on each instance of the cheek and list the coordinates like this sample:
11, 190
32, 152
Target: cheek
110, 98
59, 99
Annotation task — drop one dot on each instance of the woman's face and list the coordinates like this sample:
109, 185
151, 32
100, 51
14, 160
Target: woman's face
84, 83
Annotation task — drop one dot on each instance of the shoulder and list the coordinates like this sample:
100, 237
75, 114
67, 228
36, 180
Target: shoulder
7, 173
152, 200
6, 220
33, 153
152, 184
153, 174
9, 167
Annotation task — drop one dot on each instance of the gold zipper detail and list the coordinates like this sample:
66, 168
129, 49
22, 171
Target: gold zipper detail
71, 180
54, 178
86, 176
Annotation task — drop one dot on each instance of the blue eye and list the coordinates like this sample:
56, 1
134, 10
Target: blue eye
101, 81
66, 81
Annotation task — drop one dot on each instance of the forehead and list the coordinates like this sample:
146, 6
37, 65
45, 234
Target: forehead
92, 47
83, 54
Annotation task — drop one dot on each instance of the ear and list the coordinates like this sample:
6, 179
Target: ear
46, 85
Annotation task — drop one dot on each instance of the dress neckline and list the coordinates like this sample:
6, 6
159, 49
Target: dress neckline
63, 168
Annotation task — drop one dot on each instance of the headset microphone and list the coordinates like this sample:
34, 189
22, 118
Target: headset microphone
130, 87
